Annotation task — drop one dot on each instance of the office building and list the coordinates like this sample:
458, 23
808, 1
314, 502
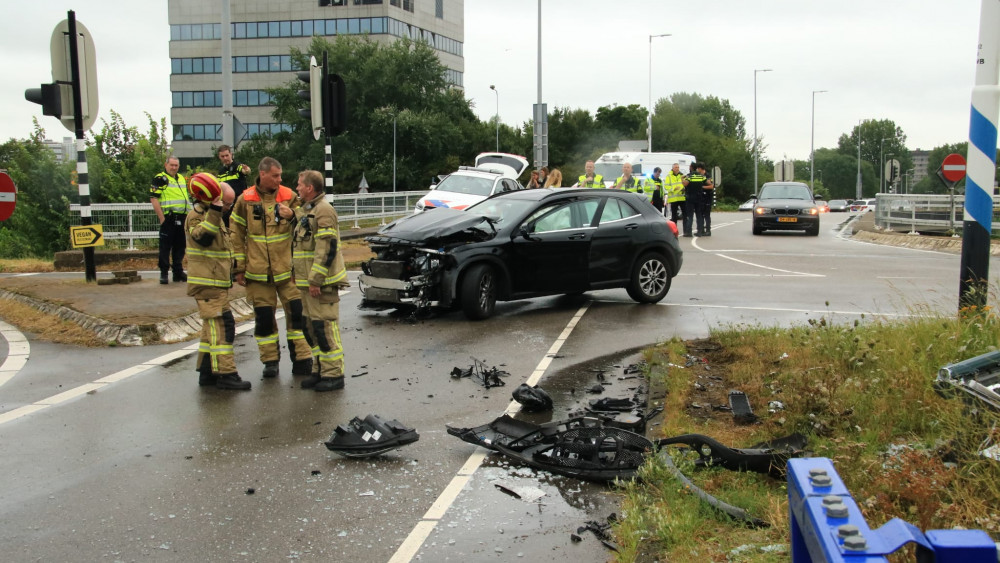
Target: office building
263, 33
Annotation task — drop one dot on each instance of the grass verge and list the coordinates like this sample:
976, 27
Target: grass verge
54, 329
862, 394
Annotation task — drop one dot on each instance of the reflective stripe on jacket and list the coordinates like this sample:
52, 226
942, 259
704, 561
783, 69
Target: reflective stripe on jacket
597, 182
652, 186
634, 186
317, 259
209, 252
262, 245
174, 196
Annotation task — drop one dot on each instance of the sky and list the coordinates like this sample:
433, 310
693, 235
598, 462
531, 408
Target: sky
911, 61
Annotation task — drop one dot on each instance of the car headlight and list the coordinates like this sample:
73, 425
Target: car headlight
812, 211
761, 210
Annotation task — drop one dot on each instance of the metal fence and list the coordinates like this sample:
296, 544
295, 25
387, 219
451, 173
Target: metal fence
925, 213
134, 225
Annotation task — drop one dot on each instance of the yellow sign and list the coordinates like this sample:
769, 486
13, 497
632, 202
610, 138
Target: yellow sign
86, 235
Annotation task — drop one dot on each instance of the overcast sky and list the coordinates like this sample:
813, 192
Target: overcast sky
911, 61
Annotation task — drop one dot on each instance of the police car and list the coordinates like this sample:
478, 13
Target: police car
493, 173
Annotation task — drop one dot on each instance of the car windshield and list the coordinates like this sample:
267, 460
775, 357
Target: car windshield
502, 209
785, 191
839, 202
460, 184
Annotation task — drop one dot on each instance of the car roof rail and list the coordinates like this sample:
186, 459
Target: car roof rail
474, 169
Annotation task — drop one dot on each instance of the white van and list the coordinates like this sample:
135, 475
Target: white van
609, 165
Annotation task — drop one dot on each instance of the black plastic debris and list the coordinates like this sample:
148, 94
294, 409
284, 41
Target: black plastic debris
740, 404
600, 531
596, 388
582, 447
532, 399
611, 404
768, 457
489, 377
370, 436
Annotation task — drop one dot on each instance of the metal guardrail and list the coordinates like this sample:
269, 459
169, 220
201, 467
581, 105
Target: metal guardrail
125, 224
925, 213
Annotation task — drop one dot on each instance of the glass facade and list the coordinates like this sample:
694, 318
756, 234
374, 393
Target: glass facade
213, 99
325, 27
213, 65
213, 131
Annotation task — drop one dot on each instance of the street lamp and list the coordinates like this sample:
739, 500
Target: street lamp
812, 141
881, 172
649, 115
494, 88
756, 156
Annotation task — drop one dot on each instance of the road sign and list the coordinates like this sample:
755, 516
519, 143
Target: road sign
8, 196
953, 167
86, 235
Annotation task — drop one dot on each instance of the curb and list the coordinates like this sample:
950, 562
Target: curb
173, 330
951, 245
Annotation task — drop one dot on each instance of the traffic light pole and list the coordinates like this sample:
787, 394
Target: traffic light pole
81, 147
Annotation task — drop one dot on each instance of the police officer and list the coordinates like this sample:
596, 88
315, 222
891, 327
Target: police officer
210, 262
675, 196
262, 221
169, 196
319, 271
627, 181
590, 179
655, 189
700, 193
232, 173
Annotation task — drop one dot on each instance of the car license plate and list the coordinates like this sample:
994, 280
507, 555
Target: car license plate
787, 219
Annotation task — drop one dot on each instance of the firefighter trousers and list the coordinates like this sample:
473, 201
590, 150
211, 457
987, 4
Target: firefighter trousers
323, 331
218, 329
264, 299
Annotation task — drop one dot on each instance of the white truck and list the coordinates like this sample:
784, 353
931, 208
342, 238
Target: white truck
609, 165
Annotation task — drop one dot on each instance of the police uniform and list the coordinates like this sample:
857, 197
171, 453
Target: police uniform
234, 176
173, 197
699, 199
675, 198
210, 263
597, 182
262, 247
317, 261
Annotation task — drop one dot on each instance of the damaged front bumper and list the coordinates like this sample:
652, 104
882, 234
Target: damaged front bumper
412, 279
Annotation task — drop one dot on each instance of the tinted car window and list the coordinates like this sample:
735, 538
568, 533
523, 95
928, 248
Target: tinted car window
466, 185
615, 210
784, 192
574, 215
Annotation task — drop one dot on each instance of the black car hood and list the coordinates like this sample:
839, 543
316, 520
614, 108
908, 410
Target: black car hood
788, 203
438, 223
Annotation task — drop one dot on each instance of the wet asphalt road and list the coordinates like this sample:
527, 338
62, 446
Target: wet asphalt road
153, 468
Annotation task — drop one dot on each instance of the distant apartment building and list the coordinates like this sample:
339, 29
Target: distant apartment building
64, 150
263, 33
919, 164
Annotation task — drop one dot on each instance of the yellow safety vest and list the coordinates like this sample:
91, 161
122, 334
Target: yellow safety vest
174, 196
675, 187
634, 187
652, 185
598, 181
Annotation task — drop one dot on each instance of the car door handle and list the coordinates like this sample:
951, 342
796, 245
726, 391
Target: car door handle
631, 226
578, 236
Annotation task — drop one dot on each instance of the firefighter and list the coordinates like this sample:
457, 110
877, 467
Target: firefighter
210, 262
169, 195
262, 222
318, 265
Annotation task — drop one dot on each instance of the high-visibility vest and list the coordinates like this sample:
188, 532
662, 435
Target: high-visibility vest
634, 186
597, 182
652, 186
675, 187
174, 196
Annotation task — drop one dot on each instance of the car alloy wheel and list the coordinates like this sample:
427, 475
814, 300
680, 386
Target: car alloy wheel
479, 292
650, 279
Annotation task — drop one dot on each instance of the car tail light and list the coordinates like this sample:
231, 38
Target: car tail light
673, 227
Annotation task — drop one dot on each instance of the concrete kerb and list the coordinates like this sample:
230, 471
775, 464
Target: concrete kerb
173, 330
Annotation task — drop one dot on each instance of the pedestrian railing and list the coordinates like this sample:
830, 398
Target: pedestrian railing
134, 225
925, 213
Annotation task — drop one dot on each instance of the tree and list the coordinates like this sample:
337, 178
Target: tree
121, 161
879, 138
628, 122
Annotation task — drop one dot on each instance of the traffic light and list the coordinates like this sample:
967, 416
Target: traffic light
48, 96
314, 78
335, 110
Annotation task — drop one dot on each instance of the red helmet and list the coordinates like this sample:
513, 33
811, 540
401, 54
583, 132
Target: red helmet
204, 187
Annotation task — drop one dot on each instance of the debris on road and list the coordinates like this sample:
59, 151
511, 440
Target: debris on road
532, 399
370, 436
489, 377
600, 530
740, 405
767, 457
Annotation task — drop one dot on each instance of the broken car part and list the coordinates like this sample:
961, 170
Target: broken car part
370, 437
978, 377
532, 399
740, 405
769, 457
489, 377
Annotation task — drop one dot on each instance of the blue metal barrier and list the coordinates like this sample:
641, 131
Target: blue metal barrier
827, 525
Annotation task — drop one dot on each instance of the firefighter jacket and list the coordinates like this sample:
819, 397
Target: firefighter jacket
675, 187
209, 251
316, 255
597, 182
262, 241
172, 193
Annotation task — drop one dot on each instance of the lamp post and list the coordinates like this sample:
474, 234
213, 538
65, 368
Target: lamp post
756, 156
858, 194
649, 115
812, 142
494, 88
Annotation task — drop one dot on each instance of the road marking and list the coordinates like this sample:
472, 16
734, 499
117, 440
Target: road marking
782, 310
694, 242
18, 350
81, 390
411, 545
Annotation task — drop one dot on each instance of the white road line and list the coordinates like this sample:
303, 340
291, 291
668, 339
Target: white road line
780, 310
694, 242
103, 381
18, 351
411, 545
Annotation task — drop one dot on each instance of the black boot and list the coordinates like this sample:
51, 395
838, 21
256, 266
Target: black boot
329, 384
271, 369
205, 376
180, 277
302, 367
232, 382
163, 278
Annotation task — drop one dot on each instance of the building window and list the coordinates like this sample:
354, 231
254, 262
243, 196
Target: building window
197, 65
264, 63
439, 9
270, 129
365, 2
198, 132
